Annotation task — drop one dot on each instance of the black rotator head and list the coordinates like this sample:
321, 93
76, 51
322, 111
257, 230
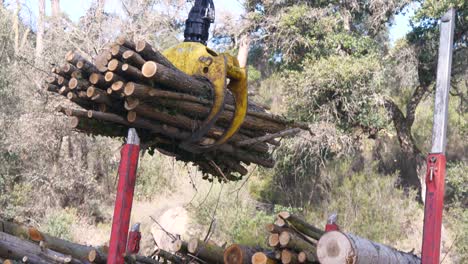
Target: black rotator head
198, 22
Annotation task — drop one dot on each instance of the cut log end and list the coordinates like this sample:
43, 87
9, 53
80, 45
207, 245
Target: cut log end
140, 45
280, 222
74, 122
284, 215
109, 76
192, 246
128, 54
93, 255
117, 86
149, 69
233, 255
261, 258
131, 103
129, 88
290, 257
69, 56
34, 234
131, 116
284, 238
94, 78
91, 91
334, 247
73, 83
113, 65
302, 257
273, 240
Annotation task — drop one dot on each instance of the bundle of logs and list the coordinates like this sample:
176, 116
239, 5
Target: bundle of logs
292, 241
130, 84
23, 244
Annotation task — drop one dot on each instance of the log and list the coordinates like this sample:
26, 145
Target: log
133, 58
283, 133
115, 66
167, 256
273, 240
118, 86
149, 54
52, 80
289, 257
280, 222
87, 67
95, 127
79, 84
338, 247
62, 81
304, 257
133, 73
263, 258
98, 80
174, 79
145, 92
56, 244
182, 121
200, 111
101, 60
123, 41
238, 254
168, 131
64, 90
98, 257
13, 247
180, 246
68, 69
117, 51
295, 242
272, 228
301, 226
206, 251
51, 87
99, 96
112, 77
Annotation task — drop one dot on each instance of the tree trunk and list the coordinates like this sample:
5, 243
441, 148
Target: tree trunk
337, 247
40, 32
16, 26
55, 8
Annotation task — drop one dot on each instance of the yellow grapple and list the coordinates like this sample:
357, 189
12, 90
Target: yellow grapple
196, 59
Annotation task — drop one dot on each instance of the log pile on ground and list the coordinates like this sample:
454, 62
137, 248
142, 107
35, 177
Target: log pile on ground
293, 239
132, 85
22, 244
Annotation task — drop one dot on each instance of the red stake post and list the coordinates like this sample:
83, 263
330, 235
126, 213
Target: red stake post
435, 175
123, 203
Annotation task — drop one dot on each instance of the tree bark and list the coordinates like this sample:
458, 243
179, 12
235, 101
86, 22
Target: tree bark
65, 247
13, 247
206, 251
40, 32
263, 258
296, 243
301, 226
55, 8
289, 257
238, 254
337, 247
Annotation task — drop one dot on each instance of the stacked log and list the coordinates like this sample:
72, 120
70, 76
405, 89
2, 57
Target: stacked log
133, 85
293, 239
340, 247
22, 244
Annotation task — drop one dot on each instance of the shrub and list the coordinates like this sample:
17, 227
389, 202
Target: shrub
59, 223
